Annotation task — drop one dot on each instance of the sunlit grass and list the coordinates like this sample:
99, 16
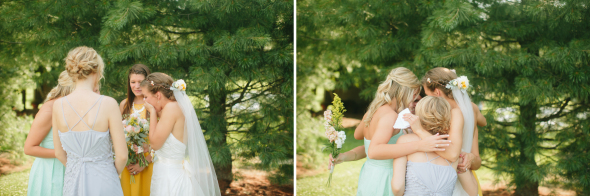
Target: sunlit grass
14, 183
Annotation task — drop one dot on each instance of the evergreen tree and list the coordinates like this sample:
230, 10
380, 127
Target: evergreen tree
528, 62
235, 56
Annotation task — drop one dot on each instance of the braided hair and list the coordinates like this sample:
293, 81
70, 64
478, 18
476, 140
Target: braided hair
438, 78
159, 82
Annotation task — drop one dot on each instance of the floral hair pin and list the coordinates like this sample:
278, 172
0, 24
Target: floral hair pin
461, 83
428, 79
179, 85
152, 83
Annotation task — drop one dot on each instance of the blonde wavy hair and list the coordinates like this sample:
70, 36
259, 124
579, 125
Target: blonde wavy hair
439, 78
434, 114
64, 87
400, 84
83, 61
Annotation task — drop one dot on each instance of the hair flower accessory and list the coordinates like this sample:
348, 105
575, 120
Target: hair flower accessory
428, 80
179, 84
461, 83
152, 83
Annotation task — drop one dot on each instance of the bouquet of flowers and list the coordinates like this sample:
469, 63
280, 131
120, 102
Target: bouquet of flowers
136, 133
333, 123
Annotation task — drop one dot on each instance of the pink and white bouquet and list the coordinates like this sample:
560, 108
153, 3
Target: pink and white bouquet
136, 133
333, 123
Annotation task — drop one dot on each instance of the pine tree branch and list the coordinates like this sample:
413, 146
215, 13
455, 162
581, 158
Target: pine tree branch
12, 42
239, 99
179, 33
554, 115
576, 110
316, 39
505, 124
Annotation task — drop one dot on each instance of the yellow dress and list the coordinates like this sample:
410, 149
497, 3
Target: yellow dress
143, 179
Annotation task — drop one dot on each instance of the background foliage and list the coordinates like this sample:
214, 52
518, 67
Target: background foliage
528, 61
236, 57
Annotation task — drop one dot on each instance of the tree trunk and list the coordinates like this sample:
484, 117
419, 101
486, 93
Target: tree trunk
217, 101
525, 185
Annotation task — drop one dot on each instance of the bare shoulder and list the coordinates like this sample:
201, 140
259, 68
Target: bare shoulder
55, 104
172, 109
456, 112
109, 102
47, 106
123, 102
407, 138
475, 107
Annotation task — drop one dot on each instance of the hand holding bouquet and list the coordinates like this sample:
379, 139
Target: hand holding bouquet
332, 125
136, 133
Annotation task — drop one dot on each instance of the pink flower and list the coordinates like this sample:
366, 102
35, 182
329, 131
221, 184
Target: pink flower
328, 115
136, 129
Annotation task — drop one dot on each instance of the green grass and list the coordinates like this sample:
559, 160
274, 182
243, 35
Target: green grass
14, 183
344, 179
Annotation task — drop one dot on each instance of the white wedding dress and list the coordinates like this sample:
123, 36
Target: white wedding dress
170, 176
184, 168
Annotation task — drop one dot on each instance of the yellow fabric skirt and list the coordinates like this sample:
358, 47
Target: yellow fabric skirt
143, 180
479, 192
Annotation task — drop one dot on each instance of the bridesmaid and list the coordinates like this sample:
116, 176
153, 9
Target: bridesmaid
143, 175
47, 173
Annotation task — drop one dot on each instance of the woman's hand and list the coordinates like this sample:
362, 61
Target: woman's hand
149, 107
465, 164
434, 143
334, 162
414, 122
134, 169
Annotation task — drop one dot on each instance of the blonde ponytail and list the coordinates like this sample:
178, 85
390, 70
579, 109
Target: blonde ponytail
64, 87
400, 85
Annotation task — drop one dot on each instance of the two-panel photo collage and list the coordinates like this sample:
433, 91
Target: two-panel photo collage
295, 97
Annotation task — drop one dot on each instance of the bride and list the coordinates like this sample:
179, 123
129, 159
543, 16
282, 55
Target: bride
182, 163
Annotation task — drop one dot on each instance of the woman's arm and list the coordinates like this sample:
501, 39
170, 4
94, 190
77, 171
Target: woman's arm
358, 132
352, 155
480, 120
117, 134
160, 130
122, 105
471, 161
455, 135
380, 149
39, 130
398, 181
468, 182
60, 153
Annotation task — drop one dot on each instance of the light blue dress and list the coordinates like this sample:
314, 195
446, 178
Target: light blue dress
90, 169
375, 177
47, 174
426, 178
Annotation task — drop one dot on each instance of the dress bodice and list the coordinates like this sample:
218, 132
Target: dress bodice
48, 140
172, 149
384, 163
426, 178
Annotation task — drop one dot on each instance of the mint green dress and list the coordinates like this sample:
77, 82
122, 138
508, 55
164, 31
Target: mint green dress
47, 174
375, 177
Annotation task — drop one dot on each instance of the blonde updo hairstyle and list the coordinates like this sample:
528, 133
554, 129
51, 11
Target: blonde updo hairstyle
439, 78
83, 61
400, 84
434, 114
159, 82
64, 87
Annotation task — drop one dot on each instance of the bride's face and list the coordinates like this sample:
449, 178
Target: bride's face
152, 99
134, 83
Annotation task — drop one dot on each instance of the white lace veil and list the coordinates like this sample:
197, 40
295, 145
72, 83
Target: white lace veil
464, 102
199, 164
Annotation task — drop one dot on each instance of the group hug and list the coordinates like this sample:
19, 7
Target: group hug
81, 143
436, 154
